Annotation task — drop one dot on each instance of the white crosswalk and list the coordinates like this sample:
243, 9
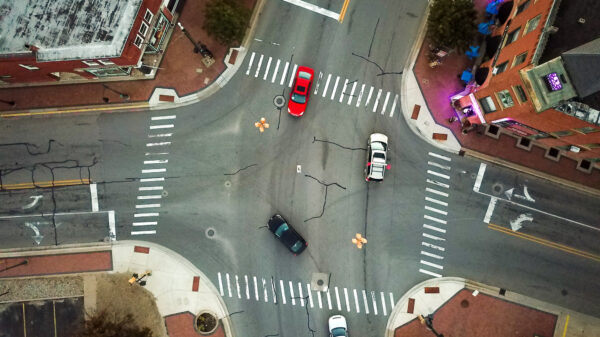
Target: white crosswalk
336, 88
434, 218
300, 294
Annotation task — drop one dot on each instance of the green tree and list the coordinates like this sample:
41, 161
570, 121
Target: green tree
102, 325
226, 20
451, 23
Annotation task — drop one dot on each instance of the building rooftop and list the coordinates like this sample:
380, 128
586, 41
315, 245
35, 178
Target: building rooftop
66, 29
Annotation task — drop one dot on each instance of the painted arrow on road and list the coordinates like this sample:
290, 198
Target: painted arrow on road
37, 237
515, 225
36, 199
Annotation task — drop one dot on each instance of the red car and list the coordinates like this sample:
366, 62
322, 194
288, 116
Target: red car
300, 91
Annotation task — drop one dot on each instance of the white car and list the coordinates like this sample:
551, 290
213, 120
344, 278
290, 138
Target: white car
338, 326
377, 147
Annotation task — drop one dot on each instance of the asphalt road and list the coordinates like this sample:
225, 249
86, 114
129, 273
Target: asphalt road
223, 180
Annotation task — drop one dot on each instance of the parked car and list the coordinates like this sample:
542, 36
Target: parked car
286, 234
300, 93
377, 161
338, 326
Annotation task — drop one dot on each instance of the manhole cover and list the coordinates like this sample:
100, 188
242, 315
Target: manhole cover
497, 188
165, 193
279, 101
320, 282
210, 232
464, 303
228, 183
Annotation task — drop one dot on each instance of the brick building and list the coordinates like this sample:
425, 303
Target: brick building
538, 78
76, 41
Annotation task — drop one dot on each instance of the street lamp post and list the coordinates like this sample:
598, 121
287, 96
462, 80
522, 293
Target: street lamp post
121, 95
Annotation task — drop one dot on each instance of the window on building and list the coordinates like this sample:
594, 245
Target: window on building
513, 36
148, 16
520, 93
106, 62
532, 24
143, 29
487, 104
523, 6
587, 129
138, 41
519, 59
90, 63
505, 98
28, 67
500, 68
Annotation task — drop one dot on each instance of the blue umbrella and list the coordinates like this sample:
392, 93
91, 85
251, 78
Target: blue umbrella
492, 7
466, 76
484, 28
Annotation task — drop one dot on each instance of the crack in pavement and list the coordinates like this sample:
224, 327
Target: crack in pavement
325, 199
27, 145
382, 72
236, 172
334, 143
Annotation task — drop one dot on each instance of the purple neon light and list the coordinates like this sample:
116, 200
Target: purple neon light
554, 81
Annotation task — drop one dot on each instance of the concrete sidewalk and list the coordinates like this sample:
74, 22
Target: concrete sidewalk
468, 309
181, 290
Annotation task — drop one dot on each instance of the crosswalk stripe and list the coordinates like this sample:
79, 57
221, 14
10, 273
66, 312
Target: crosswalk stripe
392, 303
337, 297
293, 75
385, 102
237, 286
429, 273
326, 85
356, 301
228, 284
445, 176
250, 63
285, 69
369, 96
275, 72
434, 182
267, 69
329, 299
259, 64
273, 291
360, 95
364, 293
435, 219
383, 303
255, 288
427, 244
264, 284
434, 265
439, 156
301, 295
394, 106
374, 302
158, 118
436, 210
145, 223
435, 256
247, 287
433, 237
319, 298
292, 293
443, 167
337, 80
220, 285
282, 291
433, 228
347, 301
343, 91
377, 100
310, 299
431, 190
351, 92
435, 201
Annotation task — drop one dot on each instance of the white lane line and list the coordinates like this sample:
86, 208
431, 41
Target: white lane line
154, 170
310, 299
162, 161
490, 210
147, 197
247, 287
273, 290
429, 273
439, 156
329, 299
148, 206
438, 174
385, 102
160, 135
369, 96
343, 91
374, 302
265, 294
259, 64
300, 294
337, 80
147, 180
157, 144
435, 256
326, 85
431, 264
282, 291
267, 69
365, 301
351, 93
435, 219
250, 63
439, 211
394, 106
314, 8
237, 285
150, 188
437, 183
228, 284
383, 303
293, 76
427, 244
376, 104
356, 301
275, 71
255, 288
433, 228
94, 194
157, 153
479, 178
144, 215
347, 301
433, 237
285, 69
337, 297
435, 201
431, 190
162, 126
392, 303
292, 293
443, 167
319, 298
145, 223
360, 95
158, 118
143, 232
221, 285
